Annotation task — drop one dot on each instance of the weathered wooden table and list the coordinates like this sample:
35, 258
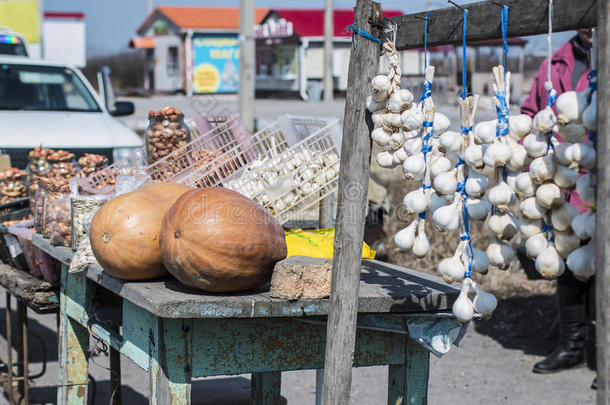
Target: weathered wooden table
39, 296
177, 334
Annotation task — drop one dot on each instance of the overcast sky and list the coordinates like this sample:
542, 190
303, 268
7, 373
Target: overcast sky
111, 24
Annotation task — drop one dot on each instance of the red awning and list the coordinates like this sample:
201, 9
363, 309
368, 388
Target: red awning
142, 42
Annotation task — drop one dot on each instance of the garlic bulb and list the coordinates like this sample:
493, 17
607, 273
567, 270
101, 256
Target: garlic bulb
485, 132
579, 225
436, 201
373, 105
421, 244
441, 123
381, 137
476, 184
590, 226
497, 154
477, 208
585, 188
451, 269
570, 106
524, 185
529, 228
503, 226
412, 146
542, 168
415, 201
400, 100
446, 183
381, 87
405, 237
412, 119
536, 244
450, 142
463, 308
544, 120
484, 303
399, 156
581, 155
531, 209
562, 216
438, 165
414, 167
572, 132
536, 144
501, 196
397, 140
473, 156
582, 261
519, 126
500, 254
565, 177
447, 218
479, 261
548, 195
589, 116
385, 159
549, 264
519, 159
393, 119
566, 243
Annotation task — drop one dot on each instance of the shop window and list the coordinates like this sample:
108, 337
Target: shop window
172, 61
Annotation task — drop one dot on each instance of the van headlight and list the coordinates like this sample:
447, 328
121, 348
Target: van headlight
122, 153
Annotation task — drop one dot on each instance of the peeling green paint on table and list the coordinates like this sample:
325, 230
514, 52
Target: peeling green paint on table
179, 334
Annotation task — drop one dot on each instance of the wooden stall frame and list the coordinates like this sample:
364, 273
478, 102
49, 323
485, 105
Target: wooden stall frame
526, 17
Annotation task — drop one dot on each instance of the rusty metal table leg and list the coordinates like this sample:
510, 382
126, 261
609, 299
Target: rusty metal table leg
265, 388
408, 382
9, 352
115, 374
22, 348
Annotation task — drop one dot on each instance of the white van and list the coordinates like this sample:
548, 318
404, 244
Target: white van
12, 43
54, 105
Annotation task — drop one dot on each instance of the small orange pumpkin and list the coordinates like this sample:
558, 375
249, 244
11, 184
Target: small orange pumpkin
218, 240
124, 232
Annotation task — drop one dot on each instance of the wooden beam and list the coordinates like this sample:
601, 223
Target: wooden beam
525, 17
602, 226
329, 35
246, 63
352, 204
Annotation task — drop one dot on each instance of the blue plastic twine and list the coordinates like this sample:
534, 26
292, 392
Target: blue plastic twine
357, 31
426, 39
464, 91
503, 113
504, 29
466, 130
551, 98
592, 83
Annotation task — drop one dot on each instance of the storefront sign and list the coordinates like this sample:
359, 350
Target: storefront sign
215, 64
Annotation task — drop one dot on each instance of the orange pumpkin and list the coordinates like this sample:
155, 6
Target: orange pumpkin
124, 232
217, 240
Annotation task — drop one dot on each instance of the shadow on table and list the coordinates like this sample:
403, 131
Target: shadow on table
522, 323
38, 333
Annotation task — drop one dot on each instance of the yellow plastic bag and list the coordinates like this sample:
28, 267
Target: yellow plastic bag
317, 243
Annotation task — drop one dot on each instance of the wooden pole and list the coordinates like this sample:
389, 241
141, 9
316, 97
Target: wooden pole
328, 51
246, 63
602, 226
352, 204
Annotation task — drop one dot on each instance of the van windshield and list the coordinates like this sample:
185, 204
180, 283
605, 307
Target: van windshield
43, 88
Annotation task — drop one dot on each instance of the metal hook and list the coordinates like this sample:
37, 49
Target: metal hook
457, 5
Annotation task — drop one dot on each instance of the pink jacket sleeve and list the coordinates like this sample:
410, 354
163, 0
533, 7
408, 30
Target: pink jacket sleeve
533, 102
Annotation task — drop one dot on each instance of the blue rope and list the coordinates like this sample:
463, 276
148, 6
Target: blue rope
426, 149
593, 136
466, 130
357, 31
592, 83
503, 112
460, 162
426, 186
428, 124
422, 215
426, 39
427, 92
504, 42
464, 91
552, 98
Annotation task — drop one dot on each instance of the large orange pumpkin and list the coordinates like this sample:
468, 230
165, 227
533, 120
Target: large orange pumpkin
217, 240
124, 232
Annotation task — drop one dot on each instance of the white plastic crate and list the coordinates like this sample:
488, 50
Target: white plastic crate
297, 165
207, 149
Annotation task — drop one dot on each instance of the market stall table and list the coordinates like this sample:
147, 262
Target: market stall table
178, 334
42, 298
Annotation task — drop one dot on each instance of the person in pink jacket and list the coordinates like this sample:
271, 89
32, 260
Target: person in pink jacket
570, 66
